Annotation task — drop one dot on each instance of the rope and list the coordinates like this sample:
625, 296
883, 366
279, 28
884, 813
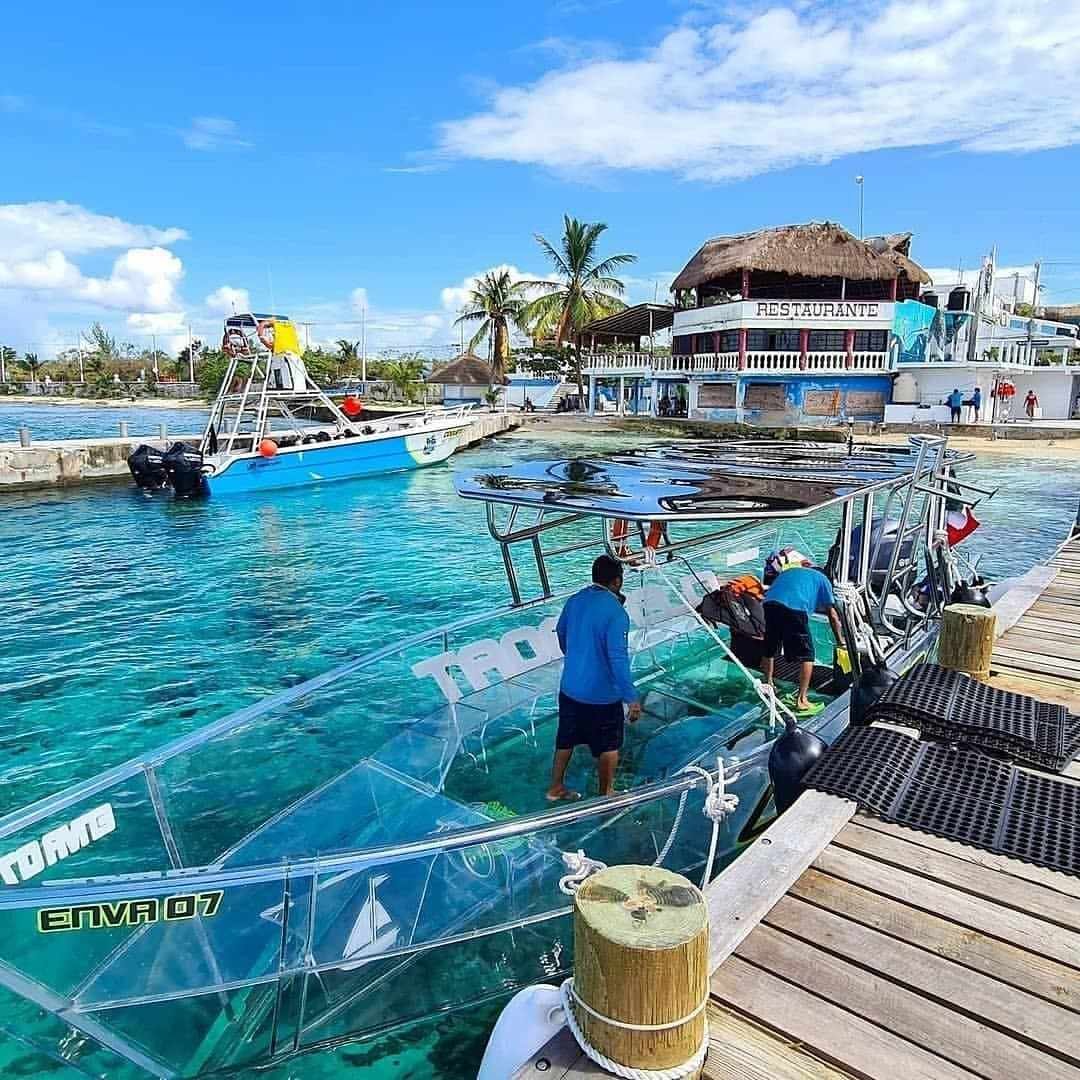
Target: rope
675, 1072
580, 866
764, 692
718, 804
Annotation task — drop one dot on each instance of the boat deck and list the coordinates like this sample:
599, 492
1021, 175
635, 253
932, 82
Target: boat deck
847, 947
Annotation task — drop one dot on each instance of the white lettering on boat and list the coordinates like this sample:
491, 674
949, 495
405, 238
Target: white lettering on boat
32, 858
527, 647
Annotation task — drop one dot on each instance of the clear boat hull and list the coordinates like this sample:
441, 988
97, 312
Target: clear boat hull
333, 862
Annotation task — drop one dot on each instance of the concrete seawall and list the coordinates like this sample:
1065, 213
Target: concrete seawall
73, 462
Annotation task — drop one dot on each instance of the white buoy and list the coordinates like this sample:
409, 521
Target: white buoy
531, 1017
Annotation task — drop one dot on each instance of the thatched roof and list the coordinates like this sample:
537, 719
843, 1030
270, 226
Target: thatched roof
818, 249
465, 370
896, 247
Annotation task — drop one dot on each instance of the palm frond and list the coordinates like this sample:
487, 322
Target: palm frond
480, 335
608, 265
471, 316
560, 264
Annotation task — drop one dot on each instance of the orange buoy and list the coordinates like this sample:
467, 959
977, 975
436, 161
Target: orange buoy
352, 406
656, 534
268, 448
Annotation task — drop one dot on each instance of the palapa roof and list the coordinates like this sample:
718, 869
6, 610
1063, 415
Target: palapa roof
817, 249
466, 370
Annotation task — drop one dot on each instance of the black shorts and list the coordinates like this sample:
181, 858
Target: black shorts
599, 727
790, 629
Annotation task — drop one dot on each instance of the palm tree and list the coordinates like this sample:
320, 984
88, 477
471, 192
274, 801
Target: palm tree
349, 351
403, 375
32, 364
495, 301
587, 290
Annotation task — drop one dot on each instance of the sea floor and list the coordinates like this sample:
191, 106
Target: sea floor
131, 620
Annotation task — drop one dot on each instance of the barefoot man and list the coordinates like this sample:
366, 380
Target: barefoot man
596, 679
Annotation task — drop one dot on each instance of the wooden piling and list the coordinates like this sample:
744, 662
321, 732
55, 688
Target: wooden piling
641, 956
967, 639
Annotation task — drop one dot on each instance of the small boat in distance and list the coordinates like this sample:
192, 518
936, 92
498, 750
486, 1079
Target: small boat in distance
258, 436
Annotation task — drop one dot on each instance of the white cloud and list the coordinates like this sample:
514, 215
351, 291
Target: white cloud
214, 133
950, 275
227, 300
30, 230
455, 297
796, 85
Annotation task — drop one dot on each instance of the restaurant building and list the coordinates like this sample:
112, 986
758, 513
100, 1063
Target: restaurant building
779, 326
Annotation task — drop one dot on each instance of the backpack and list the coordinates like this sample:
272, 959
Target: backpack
737, 605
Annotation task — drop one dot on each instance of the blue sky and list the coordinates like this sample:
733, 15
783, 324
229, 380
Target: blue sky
162, 162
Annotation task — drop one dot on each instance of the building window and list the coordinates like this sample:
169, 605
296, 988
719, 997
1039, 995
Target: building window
683, 345
704, 343
728, 341
826, 340
773, 340
871, 340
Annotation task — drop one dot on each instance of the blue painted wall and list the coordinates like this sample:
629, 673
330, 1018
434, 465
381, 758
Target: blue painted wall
796, 388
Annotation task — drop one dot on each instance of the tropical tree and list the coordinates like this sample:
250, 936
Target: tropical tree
7, 356
495, 301
349, 351
587, 290
32, 364
403, 375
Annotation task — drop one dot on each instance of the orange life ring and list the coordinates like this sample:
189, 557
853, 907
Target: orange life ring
265, 329
620, 532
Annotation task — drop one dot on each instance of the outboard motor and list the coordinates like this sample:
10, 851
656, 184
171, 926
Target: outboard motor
185, 468
790, 760
147, 465
870, 685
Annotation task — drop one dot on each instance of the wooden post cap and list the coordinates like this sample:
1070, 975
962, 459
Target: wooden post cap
641, 945
967, 639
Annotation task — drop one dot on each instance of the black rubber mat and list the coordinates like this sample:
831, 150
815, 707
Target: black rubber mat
949, 706
956, 792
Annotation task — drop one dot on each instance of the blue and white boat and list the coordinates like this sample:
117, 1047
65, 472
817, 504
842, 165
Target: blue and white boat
261, 436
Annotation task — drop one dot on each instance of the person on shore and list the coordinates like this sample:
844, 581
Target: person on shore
976, 405
596, 680
792, 598
1031, 403
956, 400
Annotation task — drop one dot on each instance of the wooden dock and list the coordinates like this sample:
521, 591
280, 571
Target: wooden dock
844, 947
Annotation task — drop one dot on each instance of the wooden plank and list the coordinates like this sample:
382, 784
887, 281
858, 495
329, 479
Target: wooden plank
1021, 596
1036, 624
1008, 963
1021, 1016
1043, 687
740, 895
963, 875
742, 1050
1052, 879
840, 1037
965, 1042
1030, 662
1045, 604
977, 913
1045, 645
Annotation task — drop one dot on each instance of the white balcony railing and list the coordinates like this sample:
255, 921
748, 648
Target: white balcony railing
645, 365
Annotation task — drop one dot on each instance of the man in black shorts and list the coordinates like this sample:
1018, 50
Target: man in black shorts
792, 598
596, 680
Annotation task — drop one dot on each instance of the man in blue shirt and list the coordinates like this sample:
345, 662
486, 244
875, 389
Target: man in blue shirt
792, 598
976, 405
956, 400
596, 680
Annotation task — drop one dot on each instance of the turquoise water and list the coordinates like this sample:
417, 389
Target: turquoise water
130, 620
87, 421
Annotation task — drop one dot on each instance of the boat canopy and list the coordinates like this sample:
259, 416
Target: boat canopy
700, 481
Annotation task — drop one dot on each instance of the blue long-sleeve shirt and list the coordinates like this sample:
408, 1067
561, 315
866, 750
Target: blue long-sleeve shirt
592, 632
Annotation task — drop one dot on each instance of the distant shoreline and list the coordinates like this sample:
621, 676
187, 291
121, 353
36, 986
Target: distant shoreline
105, 403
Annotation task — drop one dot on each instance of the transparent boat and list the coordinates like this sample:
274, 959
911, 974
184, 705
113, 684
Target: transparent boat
340, 859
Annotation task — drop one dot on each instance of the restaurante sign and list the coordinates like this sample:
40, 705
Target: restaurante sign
818, 309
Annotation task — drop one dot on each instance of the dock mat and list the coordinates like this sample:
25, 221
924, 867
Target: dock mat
956, 792
949, 706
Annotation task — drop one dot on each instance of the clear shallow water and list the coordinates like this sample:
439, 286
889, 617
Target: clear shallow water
130, 620
87, 421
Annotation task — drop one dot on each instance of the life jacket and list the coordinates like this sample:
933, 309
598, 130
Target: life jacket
737, 605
